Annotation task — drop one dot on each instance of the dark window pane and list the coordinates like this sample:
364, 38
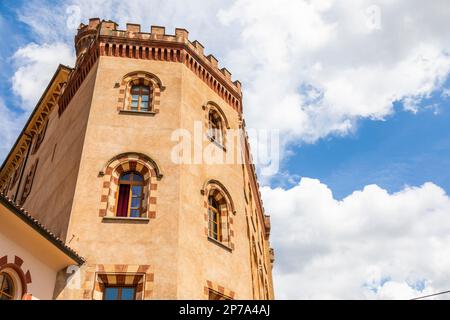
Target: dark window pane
137, 177
145, 98
122, 203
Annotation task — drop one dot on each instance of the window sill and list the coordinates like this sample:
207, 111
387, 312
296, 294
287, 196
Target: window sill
139, 113
213, 140
220, 244
126, 219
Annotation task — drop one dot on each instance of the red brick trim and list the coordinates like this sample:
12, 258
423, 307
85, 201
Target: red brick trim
118, 274
219, 291
143, 78
172, 52
130, 162
16, 267
77, 76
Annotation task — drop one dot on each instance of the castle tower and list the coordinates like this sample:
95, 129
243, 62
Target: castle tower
112, 161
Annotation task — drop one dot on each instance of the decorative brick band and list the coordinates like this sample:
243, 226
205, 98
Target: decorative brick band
101, 275
215, 189
135, 162
142, 48
77, 76
101, 38
16, 267
214, 291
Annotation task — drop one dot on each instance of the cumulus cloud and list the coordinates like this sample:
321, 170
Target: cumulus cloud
324, 63
328, 63
36, 64
371, 244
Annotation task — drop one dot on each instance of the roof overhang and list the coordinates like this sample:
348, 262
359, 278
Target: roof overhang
19, 226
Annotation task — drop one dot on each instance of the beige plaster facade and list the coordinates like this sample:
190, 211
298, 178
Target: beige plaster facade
70, 179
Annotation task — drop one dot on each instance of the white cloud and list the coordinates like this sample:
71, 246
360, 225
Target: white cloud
371, 244
324, 63
36, 64
355, 70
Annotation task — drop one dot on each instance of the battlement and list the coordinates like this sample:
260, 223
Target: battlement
158, 45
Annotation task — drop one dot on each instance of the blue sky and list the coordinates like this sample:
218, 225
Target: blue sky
404, 149
362, 198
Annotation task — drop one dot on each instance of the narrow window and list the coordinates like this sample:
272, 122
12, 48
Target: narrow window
6, 287
215, 127
140, 98
214, 219
119, 293
129, 202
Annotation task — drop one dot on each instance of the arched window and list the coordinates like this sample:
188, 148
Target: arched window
139, 91
214, 219
215, 126
128, 178
140, 98
130, 196
219, 214
7, 289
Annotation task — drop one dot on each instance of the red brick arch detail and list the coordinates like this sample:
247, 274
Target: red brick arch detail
135, 162
220, 291
144, 78
142, 276
24, 276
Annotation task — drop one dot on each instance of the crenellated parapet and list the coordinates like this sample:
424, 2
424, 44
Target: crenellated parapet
103, 38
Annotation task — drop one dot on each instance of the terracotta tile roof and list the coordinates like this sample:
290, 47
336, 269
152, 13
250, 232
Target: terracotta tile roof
36, 225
